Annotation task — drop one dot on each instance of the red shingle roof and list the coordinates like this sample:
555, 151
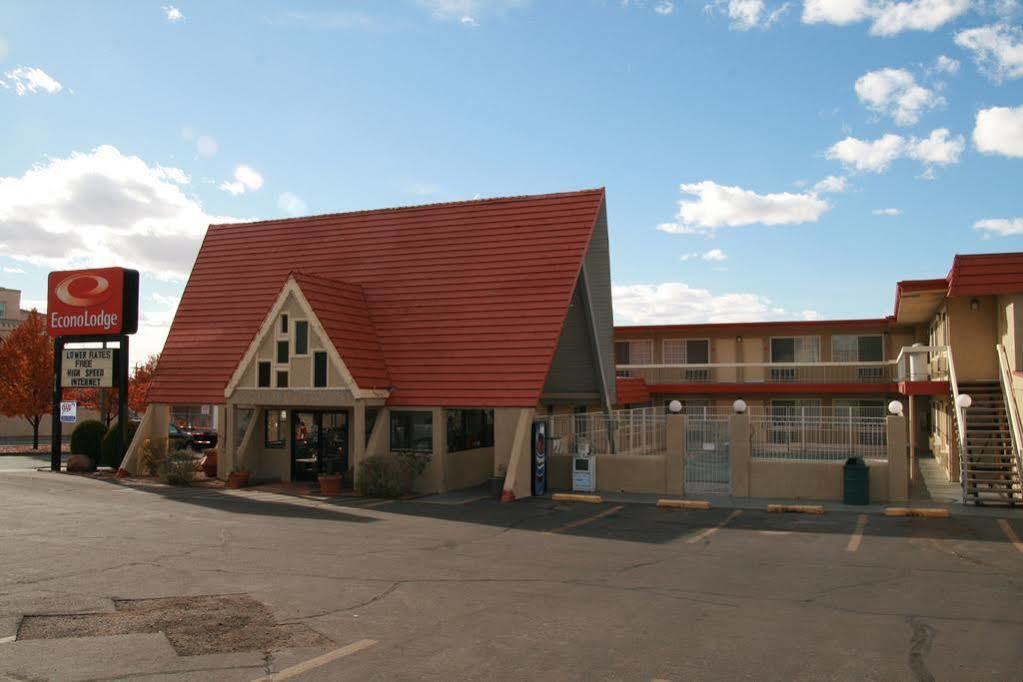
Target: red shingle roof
985, 274
467, 298
631, 391
344, 313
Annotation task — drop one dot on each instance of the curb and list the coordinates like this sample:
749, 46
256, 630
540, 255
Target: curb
921, 512
572, 497
796, 508
683, 504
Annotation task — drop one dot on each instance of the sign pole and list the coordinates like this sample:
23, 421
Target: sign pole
55, 425
122, 395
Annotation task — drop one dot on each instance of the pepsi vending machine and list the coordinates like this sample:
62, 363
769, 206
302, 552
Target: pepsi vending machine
539, 459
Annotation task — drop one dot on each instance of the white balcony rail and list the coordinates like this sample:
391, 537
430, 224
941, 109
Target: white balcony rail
640, 431
1009, 396
918, 363
819, 435
953, 384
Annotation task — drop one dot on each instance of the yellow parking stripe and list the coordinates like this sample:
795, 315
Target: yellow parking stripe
707, 532
588, 519
857, 536
1011, 534
306, 666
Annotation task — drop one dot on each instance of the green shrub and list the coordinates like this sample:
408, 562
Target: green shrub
390, 475
87, 439
111, 453
152, 455
177, 468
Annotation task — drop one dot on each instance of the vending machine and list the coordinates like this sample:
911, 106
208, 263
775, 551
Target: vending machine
539, 458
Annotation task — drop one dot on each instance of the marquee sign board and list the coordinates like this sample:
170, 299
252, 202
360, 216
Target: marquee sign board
97, 302
87, 368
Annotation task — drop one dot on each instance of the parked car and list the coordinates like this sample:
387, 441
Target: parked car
198, 440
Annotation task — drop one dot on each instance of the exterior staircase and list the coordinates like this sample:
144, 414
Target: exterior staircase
990, 474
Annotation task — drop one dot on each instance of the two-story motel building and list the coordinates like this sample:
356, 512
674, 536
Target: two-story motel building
450, 328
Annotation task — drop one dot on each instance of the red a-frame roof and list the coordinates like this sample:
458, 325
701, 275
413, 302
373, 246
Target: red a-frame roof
467, 299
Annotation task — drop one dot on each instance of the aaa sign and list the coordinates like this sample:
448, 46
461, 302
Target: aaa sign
87, 368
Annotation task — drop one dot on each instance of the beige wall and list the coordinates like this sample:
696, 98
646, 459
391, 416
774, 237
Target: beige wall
468, 468
810, 480
973, 335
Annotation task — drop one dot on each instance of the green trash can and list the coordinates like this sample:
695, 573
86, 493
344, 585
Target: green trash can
857, 482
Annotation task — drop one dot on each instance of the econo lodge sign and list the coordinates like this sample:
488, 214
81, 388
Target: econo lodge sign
98, 302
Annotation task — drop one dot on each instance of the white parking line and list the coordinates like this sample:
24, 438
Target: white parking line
326, 658
706, 533
857, 536
5, 640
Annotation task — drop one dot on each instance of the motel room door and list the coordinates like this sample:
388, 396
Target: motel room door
319, 440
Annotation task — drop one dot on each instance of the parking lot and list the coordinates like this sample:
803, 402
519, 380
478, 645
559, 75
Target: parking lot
468, 588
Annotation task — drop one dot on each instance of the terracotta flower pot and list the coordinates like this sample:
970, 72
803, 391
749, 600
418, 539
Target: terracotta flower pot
209, 464
330, 484
237, 479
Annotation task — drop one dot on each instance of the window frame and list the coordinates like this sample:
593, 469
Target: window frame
485, 430
326, 368
286, 344
409, 415
260, 362
283, 437
294, 340
277, 378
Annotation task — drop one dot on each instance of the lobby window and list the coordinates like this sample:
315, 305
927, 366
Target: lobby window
284, 324
276, 428
301, 337
470, 429
319, 369
412, 431
282, 379
282, 352
263, 375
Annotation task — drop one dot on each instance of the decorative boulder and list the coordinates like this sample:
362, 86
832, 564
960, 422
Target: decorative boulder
80, 464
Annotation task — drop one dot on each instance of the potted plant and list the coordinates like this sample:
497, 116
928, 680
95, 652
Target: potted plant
209, 463
238, 478
330, 480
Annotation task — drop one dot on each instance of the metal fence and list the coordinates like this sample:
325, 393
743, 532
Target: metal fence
707, 452
819, 434
640, 431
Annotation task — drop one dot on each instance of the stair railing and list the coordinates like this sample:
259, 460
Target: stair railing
1005, 377
953, 384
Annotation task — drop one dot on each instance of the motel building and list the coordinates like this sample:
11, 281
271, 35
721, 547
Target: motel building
452, 329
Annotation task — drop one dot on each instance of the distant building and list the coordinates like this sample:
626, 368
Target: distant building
11, 313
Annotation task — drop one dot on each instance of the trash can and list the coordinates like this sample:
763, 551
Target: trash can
856, 489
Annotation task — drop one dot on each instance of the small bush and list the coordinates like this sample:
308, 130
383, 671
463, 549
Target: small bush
111, 453
177, 468
152, 455
87, 439
390, 475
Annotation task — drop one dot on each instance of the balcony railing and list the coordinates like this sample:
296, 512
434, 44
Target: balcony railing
919, 363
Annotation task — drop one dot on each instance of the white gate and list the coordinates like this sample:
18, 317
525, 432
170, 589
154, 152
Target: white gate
707, 454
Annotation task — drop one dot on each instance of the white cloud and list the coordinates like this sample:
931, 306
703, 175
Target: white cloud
677, 302
714, 255
155, 317
101, 208
1002, 227
997, 49
831, 184
945, 64
205, 146
869, 156
875, 156
999, 130
887, 211
748, 14
172, 13
887, 18
246, 179
466, 12
28, 80
896, 93
14, 271
718, 206
292, 204
664, 7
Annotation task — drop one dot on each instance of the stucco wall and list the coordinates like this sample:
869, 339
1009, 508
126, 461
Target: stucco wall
468, 468
810, 480
973, 336
615, 473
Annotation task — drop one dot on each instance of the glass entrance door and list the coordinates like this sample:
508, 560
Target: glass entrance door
319, 444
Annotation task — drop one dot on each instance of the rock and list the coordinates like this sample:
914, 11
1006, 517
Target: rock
80, 464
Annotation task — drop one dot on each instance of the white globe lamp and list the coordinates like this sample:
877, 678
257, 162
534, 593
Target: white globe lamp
675, 406
895, 407
964, 400
739, 406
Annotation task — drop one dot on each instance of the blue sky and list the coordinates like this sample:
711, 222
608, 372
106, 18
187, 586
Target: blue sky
822, 150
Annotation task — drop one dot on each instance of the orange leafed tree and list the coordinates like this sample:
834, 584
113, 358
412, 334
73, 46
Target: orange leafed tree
138, 386
102, 400
26, 373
